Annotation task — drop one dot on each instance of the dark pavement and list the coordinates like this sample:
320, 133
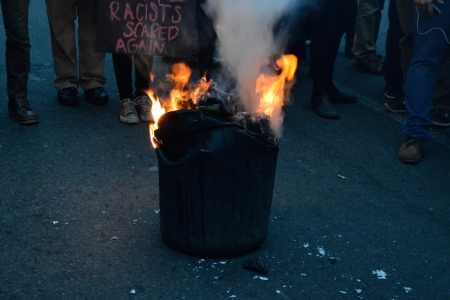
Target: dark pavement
79, 203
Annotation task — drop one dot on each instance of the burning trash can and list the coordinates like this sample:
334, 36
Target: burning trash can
216, 182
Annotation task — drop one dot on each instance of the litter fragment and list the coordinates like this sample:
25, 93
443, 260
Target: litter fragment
257, 265
305, 245
201, 260
358, 291
114, 238
278, 291
261, 278
223, 262
340, 176
333, 259
133, 291
343, 292
55, 222
321, 251
380, 274
156, 211
407, 289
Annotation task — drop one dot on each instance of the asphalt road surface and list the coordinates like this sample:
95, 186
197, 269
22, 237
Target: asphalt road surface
79, 203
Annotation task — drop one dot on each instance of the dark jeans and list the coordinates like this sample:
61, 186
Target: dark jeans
392, 67
15, 20
329, 26
123, 69
430, 47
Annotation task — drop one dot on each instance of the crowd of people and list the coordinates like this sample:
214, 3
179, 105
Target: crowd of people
415, 67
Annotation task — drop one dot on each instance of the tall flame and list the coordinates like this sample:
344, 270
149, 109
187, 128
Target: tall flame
271, 88
157, 112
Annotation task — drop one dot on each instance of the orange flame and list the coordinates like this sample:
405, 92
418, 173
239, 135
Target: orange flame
157, 112
271, 88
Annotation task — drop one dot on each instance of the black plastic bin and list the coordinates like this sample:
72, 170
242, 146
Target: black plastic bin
215, 184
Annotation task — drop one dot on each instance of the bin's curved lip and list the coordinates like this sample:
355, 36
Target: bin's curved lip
181, 121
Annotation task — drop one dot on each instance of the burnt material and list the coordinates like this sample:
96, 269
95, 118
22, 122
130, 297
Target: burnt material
215, 184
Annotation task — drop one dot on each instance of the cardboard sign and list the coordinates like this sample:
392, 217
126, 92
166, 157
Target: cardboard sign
151, 27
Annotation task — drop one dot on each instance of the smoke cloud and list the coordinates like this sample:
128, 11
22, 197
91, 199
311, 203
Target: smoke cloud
245, 29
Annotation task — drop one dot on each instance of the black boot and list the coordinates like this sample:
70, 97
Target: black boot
20, 110
321, 105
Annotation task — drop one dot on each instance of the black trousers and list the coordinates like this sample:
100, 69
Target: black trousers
329, 26
123, 69
15, 20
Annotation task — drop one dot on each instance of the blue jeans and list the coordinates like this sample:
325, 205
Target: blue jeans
429, 50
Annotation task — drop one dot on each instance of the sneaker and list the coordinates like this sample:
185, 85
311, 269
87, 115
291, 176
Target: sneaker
395, 106
372, 65
20, 110
128, 113
440, 118
393, 91
411, 151
144, 108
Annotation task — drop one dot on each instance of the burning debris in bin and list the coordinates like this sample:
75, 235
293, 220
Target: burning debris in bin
208, 96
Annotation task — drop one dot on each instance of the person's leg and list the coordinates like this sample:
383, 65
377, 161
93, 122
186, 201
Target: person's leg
92, 63
392, 69
324, 46
61, 18
123, 69
143, 67
364, 45
15, 21
123, 65
429, 50
350, 24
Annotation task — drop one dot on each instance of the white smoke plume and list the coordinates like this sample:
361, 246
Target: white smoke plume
245, 29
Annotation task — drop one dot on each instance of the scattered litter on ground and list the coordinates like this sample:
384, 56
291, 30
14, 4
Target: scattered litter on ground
380, 274
321, 251
257, 265
261, 278
333, 259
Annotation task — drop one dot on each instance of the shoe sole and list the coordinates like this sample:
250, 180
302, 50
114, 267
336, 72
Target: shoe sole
439, 125
129, 121
391, 97
409, 161
394, 110
146, 119
22, 121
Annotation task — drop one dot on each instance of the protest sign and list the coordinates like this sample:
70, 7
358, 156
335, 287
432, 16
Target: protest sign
151, 27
